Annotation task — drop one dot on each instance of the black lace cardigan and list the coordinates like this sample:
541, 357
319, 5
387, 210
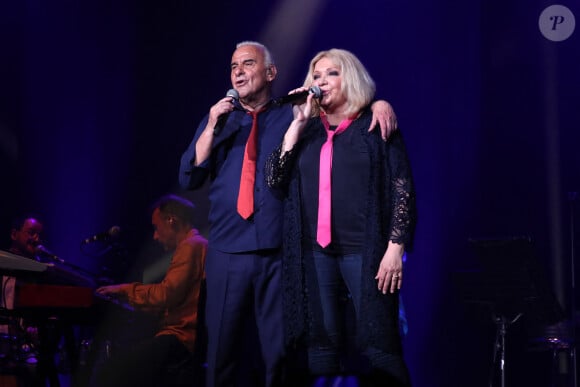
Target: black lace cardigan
391, 215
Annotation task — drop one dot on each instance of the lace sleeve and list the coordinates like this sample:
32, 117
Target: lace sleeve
403, 210
402, 192
278, 168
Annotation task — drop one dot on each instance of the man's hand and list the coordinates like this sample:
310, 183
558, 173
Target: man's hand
112, 291
384, 115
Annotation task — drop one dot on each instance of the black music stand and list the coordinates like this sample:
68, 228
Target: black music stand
512, 284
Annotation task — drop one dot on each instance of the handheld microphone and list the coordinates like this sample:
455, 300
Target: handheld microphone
41, 250
297, 97
111, 233
224, 117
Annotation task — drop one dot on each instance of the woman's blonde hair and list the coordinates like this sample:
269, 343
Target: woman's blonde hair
357, 84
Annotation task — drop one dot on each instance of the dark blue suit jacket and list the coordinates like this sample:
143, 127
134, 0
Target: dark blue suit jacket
229, 232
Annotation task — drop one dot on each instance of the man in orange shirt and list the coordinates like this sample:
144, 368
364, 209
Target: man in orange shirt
175, 298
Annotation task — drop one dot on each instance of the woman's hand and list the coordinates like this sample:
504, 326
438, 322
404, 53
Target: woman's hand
302, 111
301, 114
390, 273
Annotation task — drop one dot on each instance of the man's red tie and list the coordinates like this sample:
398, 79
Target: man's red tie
323, 232
246, 194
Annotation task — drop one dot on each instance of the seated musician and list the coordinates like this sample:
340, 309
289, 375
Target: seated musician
25, 236
17, 336
37, 338
175, 299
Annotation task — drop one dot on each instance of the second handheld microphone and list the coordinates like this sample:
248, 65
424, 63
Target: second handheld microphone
297, 97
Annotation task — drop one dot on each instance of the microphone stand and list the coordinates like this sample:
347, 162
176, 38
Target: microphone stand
572, 198
502, 324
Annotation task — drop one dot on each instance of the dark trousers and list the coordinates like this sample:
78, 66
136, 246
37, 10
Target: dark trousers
335, 274
50, 333
242, 287
143, 364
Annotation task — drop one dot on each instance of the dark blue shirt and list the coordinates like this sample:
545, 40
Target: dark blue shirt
229, 232
350, 182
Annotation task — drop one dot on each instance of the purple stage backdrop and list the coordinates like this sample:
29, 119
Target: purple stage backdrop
98, 99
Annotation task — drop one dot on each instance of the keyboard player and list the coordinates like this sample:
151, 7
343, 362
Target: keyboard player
175, 301
40, 336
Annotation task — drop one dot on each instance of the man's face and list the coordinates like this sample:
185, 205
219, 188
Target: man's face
25, 240
250, 76
164, 230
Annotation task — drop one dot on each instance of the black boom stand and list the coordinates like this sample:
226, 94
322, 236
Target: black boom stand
499, 348
573, 198
511, 283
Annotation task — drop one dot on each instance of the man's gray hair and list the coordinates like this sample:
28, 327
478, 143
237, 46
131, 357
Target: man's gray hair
267, 55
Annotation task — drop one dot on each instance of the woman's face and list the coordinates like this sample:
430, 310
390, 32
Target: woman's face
328, 77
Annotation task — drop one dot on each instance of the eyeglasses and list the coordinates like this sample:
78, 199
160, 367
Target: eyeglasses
31, 233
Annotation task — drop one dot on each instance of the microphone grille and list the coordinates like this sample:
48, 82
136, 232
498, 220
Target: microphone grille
233, 93
316, 91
